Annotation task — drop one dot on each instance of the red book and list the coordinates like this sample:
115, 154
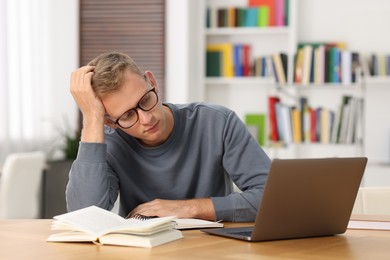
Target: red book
246, 60
273, 131
313, 125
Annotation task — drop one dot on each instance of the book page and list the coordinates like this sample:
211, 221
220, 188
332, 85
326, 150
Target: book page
375, 225
92, 219
189, 223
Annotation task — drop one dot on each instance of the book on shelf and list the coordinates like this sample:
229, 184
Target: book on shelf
273, 125
257, 13
280, 67
93, 224
296, 122
266, 4
256, 126
306, 123
238, 60
306, 64
226, 50
325, 62
346, 67
246, 60
213, 64
280, 12
251, 17
263, 18
284, 123
378, 65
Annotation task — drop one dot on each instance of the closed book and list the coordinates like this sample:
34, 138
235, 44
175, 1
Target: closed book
334, 65
355, 66
222, 17
240, 19
213, 64
298, 70
238, 60
313, 125
303, 105
279, 69
251, 17
325, 126
319, 62
343, 119
283, 115
346, 67
272, 100
270, 4
296, 125
246, 56
227, 57
231, 17
306, 66
256, 124
263, 18
279, 12
381, 65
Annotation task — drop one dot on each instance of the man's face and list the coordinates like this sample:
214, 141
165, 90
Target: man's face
153, 126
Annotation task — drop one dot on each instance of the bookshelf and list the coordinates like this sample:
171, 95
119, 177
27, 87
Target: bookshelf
250, 94
244, 94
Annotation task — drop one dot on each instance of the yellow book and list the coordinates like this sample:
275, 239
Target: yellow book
325, 126
232, 17
299, 66
296, 125
227, 57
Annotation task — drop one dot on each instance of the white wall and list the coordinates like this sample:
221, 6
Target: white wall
182, 53
64, 57
362, 24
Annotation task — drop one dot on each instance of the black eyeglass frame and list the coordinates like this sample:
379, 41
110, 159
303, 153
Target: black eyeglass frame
116, 122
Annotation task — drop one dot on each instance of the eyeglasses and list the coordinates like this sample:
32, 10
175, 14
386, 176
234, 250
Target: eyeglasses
147, 102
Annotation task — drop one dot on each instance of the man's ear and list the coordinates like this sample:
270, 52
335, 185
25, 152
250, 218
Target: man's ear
150, 77
108, 122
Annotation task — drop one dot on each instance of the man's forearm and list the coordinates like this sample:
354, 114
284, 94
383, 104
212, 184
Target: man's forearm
193, 208
202, 209
93, 131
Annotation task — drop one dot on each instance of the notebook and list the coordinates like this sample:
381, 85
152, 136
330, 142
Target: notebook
304, 198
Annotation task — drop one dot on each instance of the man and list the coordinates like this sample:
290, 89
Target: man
163, 159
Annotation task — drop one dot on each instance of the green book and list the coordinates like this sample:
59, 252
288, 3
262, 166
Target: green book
213, 63
256, 125
240, 19
263, 18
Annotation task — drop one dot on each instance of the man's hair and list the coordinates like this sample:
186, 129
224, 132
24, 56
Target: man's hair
109, 71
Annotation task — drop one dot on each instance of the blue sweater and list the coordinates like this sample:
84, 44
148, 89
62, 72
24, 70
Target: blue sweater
208, 149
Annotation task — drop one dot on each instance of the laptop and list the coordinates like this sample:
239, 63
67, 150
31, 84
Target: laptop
304, 198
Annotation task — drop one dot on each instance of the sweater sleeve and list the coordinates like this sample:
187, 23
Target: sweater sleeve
247, 165
91, 181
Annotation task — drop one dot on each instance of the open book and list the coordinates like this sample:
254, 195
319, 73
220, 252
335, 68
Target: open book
93, 224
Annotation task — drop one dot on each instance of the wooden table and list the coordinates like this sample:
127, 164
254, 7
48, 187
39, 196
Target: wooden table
25, 239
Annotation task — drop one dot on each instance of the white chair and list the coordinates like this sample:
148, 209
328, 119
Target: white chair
21, 185
373, 201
